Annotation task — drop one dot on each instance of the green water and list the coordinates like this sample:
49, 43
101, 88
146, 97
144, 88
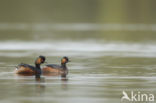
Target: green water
111, 44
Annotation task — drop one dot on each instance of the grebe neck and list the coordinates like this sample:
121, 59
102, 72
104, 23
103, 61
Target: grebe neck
64, 66
37, 70
37, 66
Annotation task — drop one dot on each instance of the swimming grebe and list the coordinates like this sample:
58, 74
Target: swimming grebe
26, 69
57, 69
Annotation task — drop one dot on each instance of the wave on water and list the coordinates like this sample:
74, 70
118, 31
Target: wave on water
78, 46
81, 47
78, 27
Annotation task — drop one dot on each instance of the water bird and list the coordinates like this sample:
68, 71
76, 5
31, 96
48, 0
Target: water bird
26, 69
54, 69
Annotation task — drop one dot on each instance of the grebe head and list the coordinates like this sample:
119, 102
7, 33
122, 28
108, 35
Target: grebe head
65, 60
40, 60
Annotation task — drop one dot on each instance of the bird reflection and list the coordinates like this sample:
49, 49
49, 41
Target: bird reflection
64, 80
39, 83
38, 77
64, 77
40, 80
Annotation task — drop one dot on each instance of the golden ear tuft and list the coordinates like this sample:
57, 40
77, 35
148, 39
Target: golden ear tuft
38, 61
63, 60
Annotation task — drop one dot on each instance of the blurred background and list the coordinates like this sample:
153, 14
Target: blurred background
119, 20
111, 43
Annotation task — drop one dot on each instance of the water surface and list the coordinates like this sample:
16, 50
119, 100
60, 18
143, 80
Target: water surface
111, 44
98, 73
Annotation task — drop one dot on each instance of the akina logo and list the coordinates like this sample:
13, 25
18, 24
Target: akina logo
137, 97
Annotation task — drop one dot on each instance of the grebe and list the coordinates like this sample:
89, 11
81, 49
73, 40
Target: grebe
26, 69
54, 69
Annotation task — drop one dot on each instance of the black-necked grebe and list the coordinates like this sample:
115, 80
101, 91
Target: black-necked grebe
26, 69
57, 69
